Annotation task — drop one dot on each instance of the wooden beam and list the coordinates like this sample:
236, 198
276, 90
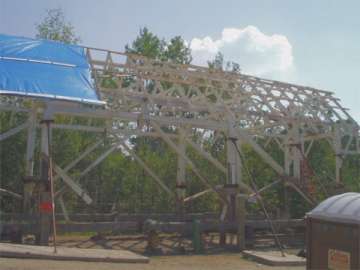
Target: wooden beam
74, 186
197, 195
13, 131
10, 193
74, 162
262, 153
99, 160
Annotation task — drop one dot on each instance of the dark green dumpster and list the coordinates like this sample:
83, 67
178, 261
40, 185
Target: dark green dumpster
333, 233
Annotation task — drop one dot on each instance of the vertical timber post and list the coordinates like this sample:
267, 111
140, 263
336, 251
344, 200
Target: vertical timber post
181, 175
231, 186
241, 218
297, 147
293, 159
285, 210
233, 170
233, 178
338, 155
29, 181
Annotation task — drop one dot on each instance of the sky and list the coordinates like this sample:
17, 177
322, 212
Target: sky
313, 43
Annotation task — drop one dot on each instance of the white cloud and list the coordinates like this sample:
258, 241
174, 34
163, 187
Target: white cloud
256, 52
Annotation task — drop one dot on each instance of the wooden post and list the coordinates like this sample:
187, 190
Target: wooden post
197, 239
45, 202
181, 175
29, 181
338, 156
233, 170
293, 157
241, 220
285, 209
233, 178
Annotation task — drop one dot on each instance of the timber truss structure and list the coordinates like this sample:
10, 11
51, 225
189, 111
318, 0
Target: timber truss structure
146, 97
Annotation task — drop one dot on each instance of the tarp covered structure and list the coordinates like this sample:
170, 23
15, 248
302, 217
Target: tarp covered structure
45, 69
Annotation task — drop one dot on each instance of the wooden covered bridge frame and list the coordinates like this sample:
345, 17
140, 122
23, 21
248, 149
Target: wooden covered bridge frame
172, 101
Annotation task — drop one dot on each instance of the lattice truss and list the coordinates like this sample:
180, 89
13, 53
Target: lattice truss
262, 107
147, 97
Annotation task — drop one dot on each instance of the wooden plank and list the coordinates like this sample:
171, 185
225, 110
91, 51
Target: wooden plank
274, 258
70, 254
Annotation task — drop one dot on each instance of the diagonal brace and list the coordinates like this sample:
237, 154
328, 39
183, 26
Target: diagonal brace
71, 183
13, 131
147, 169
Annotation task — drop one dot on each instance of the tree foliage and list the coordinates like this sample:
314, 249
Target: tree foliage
177, 51
218, 63
55, 27
150, 45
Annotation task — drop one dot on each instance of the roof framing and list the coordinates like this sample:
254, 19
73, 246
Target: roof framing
146, 95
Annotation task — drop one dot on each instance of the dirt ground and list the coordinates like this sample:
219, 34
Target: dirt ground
168, 260
198, 262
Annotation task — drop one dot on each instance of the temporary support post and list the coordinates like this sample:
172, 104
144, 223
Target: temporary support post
181, 174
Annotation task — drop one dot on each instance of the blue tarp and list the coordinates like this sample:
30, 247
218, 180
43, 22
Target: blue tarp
47, 69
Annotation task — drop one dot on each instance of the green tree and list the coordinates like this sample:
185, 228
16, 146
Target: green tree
177, 51
150, 45
218, 63
147, 44
55, 27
